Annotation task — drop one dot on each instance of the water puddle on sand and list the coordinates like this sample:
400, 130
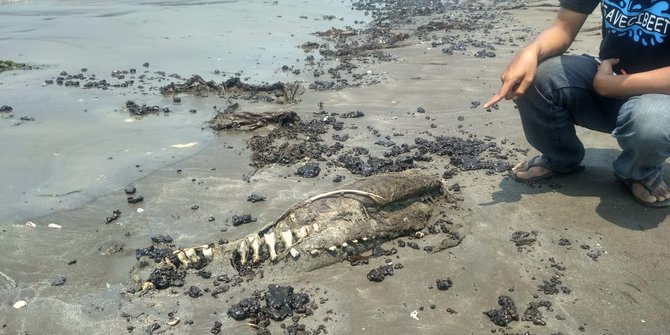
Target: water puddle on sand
81, 144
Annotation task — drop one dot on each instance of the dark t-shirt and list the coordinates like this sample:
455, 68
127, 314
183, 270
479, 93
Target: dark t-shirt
635, 31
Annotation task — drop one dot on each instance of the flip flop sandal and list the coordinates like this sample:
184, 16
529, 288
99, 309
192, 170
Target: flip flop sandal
539, 161
650, 183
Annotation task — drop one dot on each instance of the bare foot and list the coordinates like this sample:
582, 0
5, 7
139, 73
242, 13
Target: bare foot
524, 173
659, 194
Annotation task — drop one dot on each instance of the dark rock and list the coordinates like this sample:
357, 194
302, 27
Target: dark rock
309, 170
533, 313
594, 254
161, 239
58, 281
115, 215
254, 198
564, 242
130, 189
553, 286
504, 315
353, 114
194, 292
153, 327
134, 200
378, 274
242, 219
157, 254
279, 301
413, 245
167, 277
444, 284
244, 309
521, 238
216, 328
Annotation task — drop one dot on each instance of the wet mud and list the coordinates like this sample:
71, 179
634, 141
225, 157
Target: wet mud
313, 145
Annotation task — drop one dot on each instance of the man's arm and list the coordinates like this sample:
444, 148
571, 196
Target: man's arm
607, 84
553, 41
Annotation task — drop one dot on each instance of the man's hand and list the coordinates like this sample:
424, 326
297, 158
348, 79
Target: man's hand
517, 77
606, 81
553, 41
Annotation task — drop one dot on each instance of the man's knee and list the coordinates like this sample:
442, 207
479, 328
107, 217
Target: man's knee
647, 117
549, 72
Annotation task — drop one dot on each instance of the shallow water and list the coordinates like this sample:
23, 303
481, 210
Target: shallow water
82, 144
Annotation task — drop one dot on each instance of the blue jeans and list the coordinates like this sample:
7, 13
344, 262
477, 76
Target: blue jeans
562, 96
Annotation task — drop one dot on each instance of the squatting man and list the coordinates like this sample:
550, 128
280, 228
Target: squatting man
625, 91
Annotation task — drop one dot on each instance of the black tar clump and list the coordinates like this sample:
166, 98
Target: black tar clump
504, 315
280, 302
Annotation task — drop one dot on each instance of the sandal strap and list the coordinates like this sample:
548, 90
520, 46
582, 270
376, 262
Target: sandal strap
652, 182
537, 161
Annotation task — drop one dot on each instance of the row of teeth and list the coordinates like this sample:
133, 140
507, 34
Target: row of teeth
252, 243
190, 255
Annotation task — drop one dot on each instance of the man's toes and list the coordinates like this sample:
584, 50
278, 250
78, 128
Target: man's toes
519, 167
641, 193
535, 171
662, 193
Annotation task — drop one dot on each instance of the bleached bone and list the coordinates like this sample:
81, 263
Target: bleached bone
207, 252
287, 237
270, 241
301, 233
376, 198
294, 253
192, 256
182, 258
255, 248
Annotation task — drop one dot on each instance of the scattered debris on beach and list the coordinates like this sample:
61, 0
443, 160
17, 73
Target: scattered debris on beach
8, 65
506, 314
314, 146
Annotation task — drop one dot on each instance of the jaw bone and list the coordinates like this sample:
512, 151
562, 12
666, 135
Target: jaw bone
332, 224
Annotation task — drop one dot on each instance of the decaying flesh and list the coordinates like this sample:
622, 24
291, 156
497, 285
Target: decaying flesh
328, 227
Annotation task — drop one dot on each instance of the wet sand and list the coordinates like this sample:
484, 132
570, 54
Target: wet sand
613, 267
